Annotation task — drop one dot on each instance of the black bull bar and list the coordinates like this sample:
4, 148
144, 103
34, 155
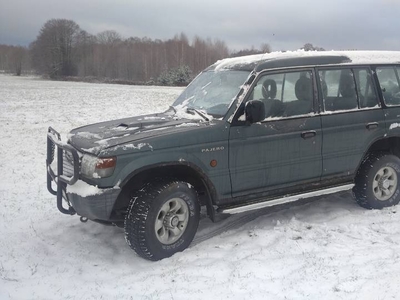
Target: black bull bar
58, 177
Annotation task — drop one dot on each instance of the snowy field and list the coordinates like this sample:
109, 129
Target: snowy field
327, 249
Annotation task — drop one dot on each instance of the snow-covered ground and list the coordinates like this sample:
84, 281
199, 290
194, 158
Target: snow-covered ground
327, 249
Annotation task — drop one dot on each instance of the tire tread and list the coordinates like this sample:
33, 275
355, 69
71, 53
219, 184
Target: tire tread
138, 210
361, 181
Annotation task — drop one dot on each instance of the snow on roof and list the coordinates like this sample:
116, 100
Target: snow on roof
371, 57
358, 57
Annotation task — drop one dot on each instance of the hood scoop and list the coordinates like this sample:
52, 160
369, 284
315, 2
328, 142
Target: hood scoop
141, 124
96, 137
123, 126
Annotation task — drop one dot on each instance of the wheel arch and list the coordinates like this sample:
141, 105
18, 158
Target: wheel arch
386, 144
184, 171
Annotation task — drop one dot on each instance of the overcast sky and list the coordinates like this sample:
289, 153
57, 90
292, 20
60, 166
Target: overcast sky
284, 24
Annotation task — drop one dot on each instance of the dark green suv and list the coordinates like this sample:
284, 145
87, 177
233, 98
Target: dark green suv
247, 133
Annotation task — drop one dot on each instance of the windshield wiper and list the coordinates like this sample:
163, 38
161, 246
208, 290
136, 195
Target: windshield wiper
173, 108
201, 114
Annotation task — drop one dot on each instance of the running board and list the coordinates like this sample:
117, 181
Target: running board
287, 199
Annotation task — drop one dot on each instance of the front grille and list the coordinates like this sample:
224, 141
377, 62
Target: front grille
51, 149
68, 164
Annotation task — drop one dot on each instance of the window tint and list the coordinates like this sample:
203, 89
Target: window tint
338, 89
365, 88
389, 83
285, 94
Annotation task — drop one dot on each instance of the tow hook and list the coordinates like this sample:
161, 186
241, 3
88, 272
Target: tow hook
83, 219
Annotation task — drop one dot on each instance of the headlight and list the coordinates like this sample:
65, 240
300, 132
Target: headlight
95, 167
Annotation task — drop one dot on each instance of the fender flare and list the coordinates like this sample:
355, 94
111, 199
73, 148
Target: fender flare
209, 186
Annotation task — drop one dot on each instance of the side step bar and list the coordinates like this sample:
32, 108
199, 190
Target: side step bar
288, 199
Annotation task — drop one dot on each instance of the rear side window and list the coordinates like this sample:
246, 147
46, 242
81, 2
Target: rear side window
389, 82
365, 88
338, 89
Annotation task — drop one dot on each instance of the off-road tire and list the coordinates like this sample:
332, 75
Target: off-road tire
365, 190
144, 210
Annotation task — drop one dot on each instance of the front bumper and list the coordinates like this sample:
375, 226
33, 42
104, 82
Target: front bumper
65, 159
95, 207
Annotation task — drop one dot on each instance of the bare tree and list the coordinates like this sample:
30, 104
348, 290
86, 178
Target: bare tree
108, 44
53, 51
17, 59
85, 45
265, 48
14, 59
311, 47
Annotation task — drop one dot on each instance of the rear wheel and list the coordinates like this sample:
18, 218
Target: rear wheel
162, 219
377, 181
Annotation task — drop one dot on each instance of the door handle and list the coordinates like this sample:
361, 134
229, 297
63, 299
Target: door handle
371, 126
308, 134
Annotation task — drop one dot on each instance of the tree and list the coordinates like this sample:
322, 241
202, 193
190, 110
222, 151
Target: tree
265, 48
14, 59
53, 51
244, 52
108, 45
182, 76
85, 54
311, 47
178, 76
17, 58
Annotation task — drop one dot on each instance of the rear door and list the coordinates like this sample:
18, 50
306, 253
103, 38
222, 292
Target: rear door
352, 119
283, 150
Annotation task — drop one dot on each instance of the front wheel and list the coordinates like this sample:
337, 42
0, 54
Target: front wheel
378, 181
162, 219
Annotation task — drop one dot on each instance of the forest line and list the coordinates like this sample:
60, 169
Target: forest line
62, 50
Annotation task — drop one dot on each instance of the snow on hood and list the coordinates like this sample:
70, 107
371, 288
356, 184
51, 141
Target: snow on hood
129, 133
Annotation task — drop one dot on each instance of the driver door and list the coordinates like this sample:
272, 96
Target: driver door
284, 150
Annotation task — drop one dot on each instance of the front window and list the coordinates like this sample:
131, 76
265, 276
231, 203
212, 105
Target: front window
285, 94
212, 91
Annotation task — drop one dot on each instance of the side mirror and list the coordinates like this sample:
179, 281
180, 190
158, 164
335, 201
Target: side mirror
254, 111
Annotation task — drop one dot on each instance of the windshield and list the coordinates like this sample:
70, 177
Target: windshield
212, 91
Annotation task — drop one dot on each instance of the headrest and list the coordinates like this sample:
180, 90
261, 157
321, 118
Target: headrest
303, 89
269, 89
347, 86
254, 110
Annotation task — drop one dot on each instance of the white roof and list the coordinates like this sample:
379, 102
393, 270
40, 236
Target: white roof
358, 57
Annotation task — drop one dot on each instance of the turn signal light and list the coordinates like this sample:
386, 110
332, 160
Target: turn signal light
213, 163
106, 163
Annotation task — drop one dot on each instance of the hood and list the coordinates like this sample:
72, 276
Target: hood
100, 136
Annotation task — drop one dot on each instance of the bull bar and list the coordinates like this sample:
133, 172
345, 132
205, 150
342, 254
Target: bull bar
58, 177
